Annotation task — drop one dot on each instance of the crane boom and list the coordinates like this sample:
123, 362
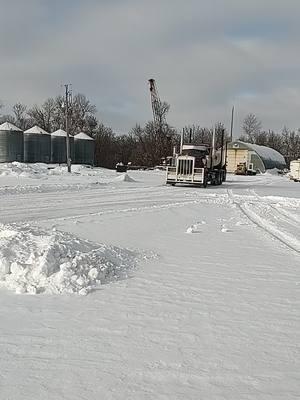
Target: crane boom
158, 118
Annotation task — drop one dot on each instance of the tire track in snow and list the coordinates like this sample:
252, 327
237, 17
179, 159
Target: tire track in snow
289, 215
152, 207
42, 213
71, 205
249, 209
284, 215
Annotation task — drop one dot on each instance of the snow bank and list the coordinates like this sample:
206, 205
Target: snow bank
273, 171
18, 169
44, 171
36, 261
40, 170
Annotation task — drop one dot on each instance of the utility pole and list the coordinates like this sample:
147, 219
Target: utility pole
68, 94
231, 125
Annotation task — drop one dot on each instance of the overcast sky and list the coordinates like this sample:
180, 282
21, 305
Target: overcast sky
205, 55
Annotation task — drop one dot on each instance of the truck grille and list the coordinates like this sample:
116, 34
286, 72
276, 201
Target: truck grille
185, 167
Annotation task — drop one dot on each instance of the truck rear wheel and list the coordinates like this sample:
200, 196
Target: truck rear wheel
224, 176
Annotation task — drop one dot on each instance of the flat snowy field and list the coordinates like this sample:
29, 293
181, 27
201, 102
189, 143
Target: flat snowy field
144, 291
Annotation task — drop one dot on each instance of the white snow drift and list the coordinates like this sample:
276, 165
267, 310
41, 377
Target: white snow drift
35, 261
47, 171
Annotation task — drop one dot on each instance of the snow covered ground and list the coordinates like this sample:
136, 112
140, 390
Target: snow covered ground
190, 293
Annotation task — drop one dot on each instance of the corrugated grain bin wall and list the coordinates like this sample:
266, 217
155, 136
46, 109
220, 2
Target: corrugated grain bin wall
37, 145
11, 143
84, 149
59, 147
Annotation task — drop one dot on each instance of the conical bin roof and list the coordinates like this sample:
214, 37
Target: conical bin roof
59, 132
8, 126
37, 129
83, 136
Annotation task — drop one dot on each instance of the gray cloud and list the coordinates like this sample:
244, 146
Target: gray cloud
205, 56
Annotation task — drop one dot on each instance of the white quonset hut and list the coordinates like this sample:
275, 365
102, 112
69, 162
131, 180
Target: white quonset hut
37, 145
59, 147
261, 158
11, 143
84, 149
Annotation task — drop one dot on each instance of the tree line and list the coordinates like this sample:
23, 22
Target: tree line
286, 142
143, 145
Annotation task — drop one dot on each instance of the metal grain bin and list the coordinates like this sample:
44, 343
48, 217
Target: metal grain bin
59, 147
11, 143
37, 145
84, 149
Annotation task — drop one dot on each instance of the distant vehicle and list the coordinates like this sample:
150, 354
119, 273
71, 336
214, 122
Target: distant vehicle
295, 170
242, 169
120, 167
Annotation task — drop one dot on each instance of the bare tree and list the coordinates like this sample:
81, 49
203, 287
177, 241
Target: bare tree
7, 118
161, 111
153, 145
20, 116
202, 135
81, 110
274, 140
91, 124
44, 115
105, 149
251, 127
290, 144
50, 115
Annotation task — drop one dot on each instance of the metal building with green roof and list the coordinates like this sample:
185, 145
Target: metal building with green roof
259, 158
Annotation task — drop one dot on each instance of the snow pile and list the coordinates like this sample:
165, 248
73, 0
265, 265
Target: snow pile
273, 171
36, 261
18, 169
80, 170
46, 171
195, 228
41, 170
224, 229
192, 229
124, 178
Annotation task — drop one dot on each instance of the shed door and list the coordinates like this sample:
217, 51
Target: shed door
234, 157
